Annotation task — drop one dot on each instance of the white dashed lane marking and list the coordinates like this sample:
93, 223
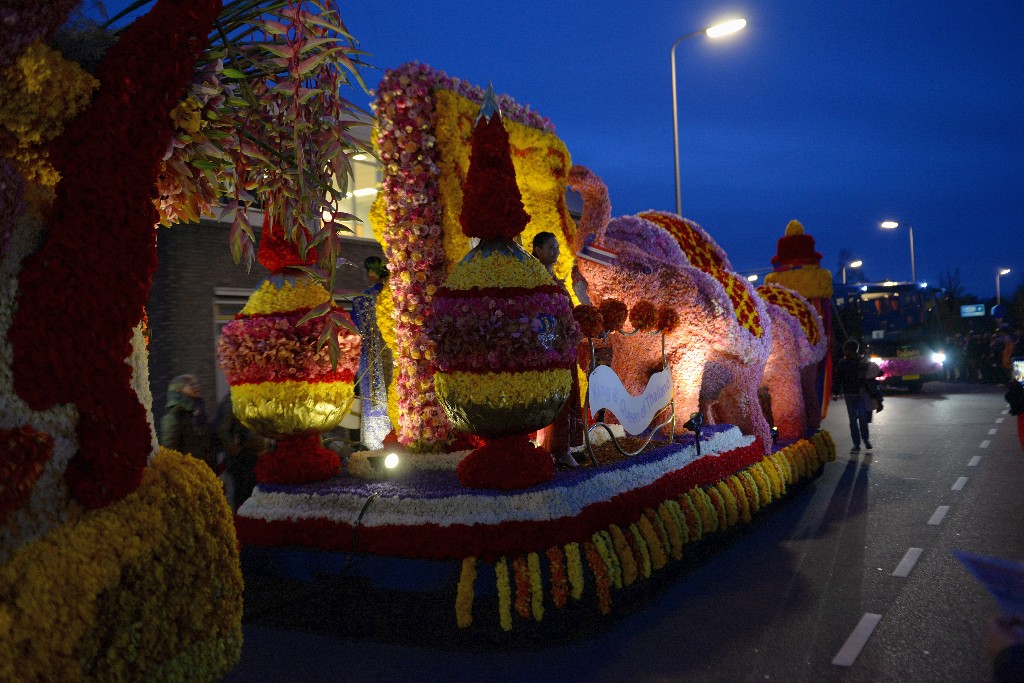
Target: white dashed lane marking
960, 483
974, 461
999, 420
908, 562
847, 654
938, 515
984, 444
992, 431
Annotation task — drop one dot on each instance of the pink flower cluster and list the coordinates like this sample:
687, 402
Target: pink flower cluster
272, 348
508, 333
412, 242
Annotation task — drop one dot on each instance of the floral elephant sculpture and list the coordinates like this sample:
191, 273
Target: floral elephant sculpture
717, 358
798, 344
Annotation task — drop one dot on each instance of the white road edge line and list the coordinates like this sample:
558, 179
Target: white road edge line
984, 444
993, 431
847, 654
938, 515
908, 562
960, 484
974, 461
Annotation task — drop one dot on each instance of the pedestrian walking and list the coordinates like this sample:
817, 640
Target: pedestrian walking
849, 379
185, 427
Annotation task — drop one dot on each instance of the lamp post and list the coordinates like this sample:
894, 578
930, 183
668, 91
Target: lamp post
892, 225
717, 31
851, 264
999, 273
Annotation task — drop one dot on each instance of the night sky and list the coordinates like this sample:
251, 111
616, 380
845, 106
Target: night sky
840, 115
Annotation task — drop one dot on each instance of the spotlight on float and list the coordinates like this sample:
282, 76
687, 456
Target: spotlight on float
384, 463
694, 424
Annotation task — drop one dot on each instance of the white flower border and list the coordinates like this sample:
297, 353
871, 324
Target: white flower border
471, 508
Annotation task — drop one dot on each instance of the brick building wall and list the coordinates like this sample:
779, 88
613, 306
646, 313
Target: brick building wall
194, 262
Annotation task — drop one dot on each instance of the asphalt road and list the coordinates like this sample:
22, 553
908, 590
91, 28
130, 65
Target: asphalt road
786, 598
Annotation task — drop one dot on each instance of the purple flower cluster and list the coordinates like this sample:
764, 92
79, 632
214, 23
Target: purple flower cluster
504, 333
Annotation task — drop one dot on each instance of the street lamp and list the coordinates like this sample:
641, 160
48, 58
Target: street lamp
999, 273
851, 264
892, 225
717, 31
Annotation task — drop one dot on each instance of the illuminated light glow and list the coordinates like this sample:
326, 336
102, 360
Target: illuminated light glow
889, 283
1004, 271
889, 225
856, 264
327, 216
875, 359
864, 288
752, 278
923, 285
725, 28
360, 157
364, 192
938, 357
391, 461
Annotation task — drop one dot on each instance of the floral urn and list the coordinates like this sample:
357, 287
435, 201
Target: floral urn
283, 383
504, 335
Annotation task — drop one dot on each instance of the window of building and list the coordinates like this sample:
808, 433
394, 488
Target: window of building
361, 195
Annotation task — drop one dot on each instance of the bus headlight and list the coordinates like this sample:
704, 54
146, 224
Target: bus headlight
938, 357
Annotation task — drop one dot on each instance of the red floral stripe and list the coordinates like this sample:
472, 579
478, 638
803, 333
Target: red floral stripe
84, 290
345, 375
489, 542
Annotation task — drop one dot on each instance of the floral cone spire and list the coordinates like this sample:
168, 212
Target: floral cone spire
492, 205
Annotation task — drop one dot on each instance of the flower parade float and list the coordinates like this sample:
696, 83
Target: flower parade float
796, 265
118, 558
500, 546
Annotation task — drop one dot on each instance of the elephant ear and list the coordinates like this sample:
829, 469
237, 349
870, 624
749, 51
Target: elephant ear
597, 209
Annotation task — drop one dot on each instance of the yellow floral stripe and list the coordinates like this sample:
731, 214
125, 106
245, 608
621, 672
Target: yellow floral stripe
464, 595
742, 504
536, 587
271, 300
731, 506
504, 594
574, 566
719, 503
811, 282
609, 545
498, 270
614, 577
750, 489
504, 388
625, 554
654, 547
645, 553
675, 537
125, 589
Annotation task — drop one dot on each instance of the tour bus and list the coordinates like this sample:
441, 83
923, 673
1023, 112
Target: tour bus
896, 323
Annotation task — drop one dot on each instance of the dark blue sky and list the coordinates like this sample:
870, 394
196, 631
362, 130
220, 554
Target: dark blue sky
838, 114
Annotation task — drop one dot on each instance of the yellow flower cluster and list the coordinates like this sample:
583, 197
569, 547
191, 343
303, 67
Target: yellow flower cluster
507, 389
386, 323
292, 406
39, 93
541, 161
812, 282
270, 299
464, 595
148, 588
498, 270
660, 534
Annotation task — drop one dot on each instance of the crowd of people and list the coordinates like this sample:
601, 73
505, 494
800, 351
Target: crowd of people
982, 357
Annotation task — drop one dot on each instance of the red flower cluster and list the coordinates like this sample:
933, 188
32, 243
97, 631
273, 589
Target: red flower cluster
668, 320
299, 460
614, 313
277, 253
590, 320
643, 315
507, 463
492, 205
84, 290
23, 453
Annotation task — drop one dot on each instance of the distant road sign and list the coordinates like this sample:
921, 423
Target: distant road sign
972, 311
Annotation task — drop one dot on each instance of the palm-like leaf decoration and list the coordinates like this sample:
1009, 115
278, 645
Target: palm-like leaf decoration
265, 126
